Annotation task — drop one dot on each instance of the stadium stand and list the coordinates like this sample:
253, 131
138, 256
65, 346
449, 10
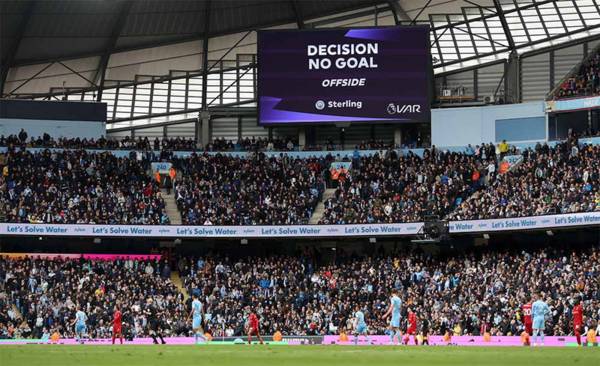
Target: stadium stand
178, 144
45, 292
468, 293
395, 188
225, 190
562, 179
76, 186
138, 127
126, 143
585, 81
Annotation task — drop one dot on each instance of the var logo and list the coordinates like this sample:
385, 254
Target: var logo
404, 108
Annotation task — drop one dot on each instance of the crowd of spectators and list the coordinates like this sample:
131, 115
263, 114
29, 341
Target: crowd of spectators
375, 145
126, 143
393, 188
291, 144
585, 82
459, 293
327, 145
253, 190
388, 188
562, 179
78, 187
145, 144
82, 186
330, 145
46, 292
266, 144
254, 144
219, 144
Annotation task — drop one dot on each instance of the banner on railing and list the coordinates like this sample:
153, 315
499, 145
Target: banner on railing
572, 104
162, 167
295, 231
177, 231
509, 162
526, 223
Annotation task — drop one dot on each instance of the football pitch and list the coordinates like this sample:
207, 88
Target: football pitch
244, 355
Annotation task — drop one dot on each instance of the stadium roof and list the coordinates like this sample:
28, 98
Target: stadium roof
464, 33
37, 31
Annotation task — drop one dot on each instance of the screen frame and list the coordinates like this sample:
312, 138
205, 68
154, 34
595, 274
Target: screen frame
429, 79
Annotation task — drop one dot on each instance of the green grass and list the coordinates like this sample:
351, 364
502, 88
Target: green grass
243, 355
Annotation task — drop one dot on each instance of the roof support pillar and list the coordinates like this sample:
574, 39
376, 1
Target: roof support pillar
110, 46
297, 14
398, 12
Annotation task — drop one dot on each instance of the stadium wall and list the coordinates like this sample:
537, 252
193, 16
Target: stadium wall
58, 119
54, 128
476, 125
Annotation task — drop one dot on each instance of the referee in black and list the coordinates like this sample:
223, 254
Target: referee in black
155, 324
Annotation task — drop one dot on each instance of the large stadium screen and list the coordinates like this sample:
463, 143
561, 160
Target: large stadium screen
344, 75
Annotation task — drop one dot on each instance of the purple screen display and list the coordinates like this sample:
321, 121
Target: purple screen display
344, 75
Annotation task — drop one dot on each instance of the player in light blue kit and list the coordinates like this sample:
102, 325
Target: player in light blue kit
394, 310
196, 315
360, 326
539, 311
80, 327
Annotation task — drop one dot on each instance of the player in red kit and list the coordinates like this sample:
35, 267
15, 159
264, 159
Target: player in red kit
578, 319
253, 328
117, 325
412, 327
527, 318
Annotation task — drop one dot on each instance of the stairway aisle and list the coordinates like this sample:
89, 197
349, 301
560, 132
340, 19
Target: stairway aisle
176, 279
320, 209
18, 314
171, 207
